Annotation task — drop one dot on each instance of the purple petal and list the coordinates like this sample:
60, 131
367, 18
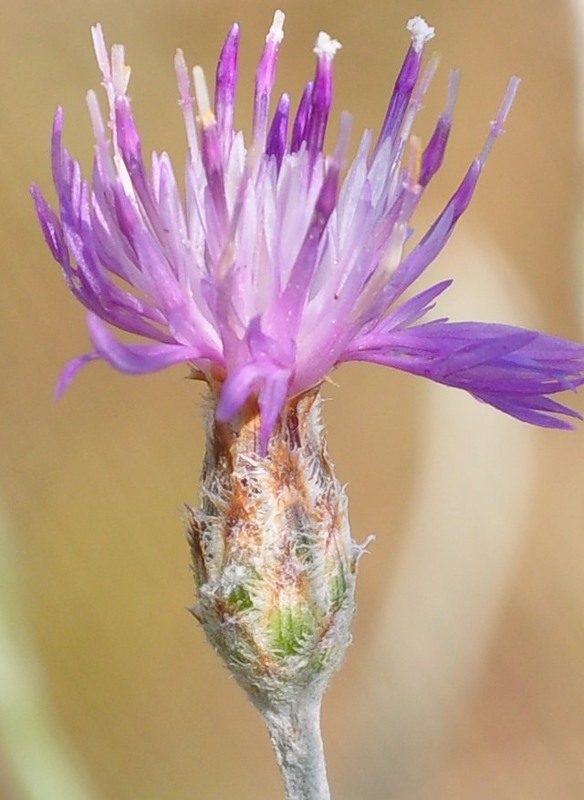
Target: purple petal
265, 77
225, 82
414, 264
50, 226
265, 273
404, 86
301, 119
511, 368
70, 370
271, 399
267, 374
276, 141
135, 359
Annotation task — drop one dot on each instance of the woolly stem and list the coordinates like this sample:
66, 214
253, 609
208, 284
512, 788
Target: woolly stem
295, 735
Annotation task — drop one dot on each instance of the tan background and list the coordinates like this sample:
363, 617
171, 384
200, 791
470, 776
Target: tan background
465, 677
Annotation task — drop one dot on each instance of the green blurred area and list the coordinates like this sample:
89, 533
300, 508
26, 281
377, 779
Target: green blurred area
94, 485
40, 762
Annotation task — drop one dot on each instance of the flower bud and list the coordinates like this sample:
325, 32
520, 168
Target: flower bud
273, 559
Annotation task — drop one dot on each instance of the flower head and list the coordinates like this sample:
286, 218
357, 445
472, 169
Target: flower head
274, 268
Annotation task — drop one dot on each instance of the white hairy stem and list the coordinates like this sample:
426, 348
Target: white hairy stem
295, 735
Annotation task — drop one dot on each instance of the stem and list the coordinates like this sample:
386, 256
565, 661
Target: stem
295, 735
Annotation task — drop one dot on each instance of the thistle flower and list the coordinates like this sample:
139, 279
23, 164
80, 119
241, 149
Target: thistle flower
274, 268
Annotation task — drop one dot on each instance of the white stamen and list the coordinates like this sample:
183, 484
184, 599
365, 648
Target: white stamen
120, 71
276, 32
186, 102
325, 46
101, 142
100, 49
499, 121
343, 140
206, 116
421, 32
96, 118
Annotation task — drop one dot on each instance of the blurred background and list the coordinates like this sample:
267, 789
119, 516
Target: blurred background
465, 678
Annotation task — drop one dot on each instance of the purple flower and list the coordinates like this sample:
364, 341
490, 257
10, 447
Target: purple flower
274, 269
